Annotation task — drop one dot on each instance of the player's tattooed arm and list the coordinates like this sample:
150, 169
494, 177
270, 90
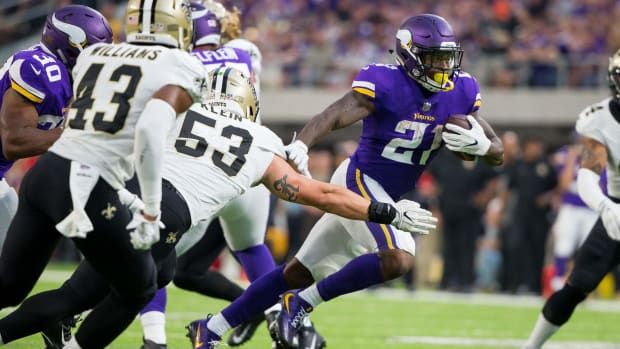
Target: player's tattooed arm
282, 180
286, 189
593, 155
349, 109
495, 154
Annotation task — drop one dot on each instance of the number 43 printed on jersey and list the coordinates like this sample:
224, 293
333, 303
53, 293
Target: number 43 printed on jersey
403, 150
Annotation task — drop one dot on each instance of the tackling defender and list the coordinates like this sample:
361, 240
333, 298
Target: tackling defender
36, 91
403, 108
242, 223
72, 189
217, 154
598, 125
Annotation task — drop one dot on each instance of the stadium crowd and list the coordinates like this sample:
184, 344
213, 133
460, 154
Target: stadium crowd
509, 43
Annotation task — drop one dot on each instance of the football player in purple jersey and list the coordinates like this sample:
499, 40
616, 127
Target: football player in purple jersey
35, 91
404, 108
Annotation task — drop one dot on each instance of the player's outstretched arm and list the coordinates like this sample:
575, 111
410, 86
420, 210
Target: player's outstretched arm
282, 180
18, 128
349, 109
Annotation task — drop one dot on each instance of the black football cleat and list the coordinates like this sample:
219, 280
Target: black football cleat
149, 344
58, 334
309, 338
245, 331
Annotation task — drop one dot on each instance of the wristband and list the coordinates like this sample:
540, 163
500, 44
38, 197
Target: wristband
381, 212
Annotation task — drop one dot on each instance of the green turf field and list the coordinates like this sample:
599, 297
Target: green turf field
397, 319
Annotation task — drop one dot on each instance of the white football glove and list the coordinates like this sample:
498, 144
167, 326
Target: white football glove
412, 218
472, 141
610, 215
144, 233
297, 152
131, 200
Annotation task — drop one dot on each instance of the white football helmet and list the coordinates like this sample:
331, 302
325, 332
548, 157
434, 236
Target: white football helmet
162, 22
232, 90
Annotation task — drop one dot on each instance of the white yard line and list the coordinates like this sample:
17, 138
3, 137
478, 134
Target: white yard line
507, 343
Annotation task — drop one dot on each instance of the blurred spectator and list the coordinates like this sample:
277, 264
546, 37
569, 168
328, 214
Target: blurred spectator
464, 190
533, 180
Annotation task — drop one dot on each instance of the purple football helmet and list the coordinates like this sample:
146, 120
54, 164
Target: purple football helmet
207, 28
71, 28
426, 48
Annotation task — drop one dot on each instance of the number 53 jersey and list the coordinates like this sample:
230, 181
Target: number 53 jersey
214, 156
403, 134
112, 83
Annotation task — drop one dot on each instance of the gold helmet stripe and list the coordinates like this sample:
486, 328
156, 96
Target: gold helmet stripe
147, 15
220, 80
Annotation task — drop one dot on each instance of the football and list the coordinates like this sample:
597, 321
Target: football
461, 121
458, 120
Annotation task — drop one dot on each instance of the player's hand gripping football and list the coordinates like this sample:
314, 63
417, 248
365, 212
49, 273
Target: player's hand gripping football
412, 218
472, 141
297, 152
610, 215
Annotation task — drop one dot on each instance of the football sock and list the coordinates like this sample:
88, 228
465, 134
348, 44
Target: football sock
154, 326
560, 265
542, 331
211, 284
360, 273
311, 295
260, 295
218, 325
158, 303
256, 261
72, 344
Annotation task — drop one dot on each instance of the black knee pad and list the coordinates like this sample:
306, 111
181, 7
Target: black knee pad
560, 306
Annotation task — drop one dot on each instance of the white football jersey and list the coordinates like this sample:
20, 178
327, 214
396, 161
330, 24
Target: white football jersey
212, 158
112, 84
597, 122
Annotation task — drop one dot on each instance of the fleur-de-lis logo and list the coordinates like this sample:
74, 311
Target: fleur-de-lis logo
108, 212
172, 237
287, 189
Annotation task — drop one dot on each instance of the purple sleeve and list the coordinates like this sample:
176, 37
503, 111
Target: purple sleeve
472, 91
370, 81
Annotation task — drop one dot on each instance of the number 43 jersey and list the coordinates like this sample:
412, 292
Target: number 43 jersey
215, 156
112, 84
403, 134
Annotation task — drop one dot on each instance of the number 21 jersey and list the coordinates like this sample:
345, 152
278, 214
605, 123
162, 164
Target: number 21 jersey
403, 134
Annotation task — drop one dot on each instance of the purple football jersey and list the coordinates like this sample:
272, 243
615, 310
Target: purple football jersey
403, 134
225, 56
41, 78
